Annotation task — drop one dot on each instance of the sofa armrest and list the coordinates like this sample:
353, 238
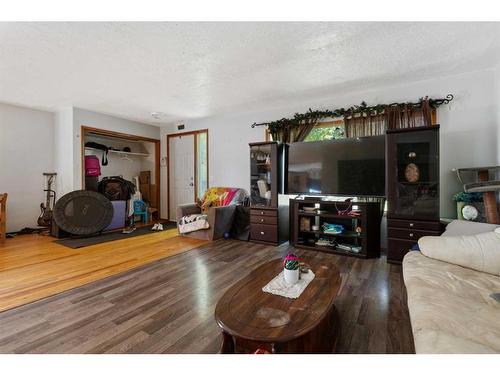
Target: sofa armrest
187, 209
220, 220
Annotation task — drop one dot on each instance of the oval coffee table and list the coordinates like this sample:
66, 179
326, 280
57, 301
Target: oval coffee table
251, 319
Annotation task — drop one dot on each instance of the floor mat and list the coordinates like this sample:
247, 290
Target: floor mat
78, 242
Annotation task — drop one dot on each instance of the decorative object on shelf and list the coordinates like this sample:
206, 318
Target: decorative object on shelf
333, 228
469, 206
355, 249
310, 209
412, 172
325, 242
390, 116
345, 210
305, 223
484, 181
470, 212
291, 271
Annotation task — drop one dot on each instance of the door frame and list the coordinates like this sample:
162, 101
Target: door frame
88, 129
195, 145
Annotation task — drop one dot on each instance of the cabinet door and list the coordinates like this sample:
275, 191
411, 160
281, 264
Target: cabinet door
413, 174
264, 172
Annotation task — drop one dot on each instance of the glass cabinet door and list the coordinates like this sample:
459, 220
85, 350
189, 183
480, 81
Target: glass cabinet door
261, 175
413, 174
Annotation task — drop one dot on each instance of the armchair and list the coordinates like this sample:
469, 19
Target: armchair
220, 209
220, 220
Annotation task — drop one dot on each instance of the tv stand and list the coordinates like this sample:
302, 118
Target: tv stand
360, 237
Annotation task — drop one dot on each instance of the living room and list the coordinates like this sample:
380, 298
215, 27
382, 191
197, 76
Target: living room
250, 187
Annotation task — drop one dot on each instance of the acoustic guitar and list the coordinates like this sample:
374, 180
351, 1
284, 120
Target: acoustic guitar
45, 218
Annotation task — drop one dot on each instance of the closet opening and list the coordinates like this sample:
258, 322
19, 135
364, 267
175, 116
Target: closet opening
120, 156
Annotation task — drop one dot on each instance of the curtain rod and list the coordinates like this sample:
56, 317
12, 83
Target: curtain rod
363, 108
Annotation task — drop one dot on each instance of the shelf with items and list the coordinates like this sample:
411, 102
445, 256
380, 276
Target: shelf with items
268, 220
358, 232
329, 215
347, 234
331, 249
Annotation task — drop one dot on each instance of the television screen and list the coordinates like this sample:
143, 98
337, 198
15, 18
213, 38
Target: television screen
349, 167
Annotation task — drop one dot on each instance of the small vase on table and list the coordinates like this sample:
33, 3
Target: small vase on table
291, 269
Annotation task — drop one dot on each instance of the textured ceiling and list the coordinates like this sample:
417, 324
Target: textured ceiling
195, 70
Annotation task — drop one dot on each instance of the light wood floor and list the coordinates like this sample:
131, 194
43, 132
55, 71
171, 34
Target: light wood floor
34, 267
168, 306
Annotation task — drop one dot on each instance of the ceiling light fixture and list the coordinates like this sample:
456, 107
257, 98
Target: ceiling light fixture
156, 115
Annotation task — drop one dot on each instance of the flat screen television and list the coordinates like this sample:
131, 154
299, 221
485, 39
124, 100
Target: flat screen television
348, 167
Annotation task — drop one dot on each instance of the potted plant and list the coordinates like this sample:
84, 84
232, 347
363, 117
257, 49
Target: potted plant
291, 269
463, 199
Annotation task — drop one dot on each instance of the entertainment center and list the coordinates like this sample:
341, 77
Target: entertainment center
339, 190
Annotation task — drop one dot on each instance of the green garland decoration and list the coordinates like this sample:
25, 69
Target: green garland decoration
379, 109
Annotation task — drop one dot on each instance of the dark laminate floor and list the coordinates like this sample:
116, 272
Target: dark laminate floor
168, 307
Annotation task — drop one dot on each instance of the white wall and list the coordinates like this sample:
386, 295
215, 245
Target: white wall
63, 150
497, 100
469, 128
26, 151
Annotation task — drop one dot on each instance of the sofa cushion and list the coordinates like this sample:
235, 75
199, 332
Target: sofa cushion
466, 228
451, 310
480, 252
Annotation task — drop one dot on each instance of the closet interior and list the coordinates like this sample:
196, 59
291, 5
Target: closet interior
123, 157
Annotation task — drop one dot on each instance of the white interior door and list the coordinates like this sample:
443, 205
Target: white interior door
182, 169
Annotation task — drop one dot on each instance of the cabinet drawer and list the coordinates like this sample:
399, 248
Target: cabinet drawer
409, 234
255, 212
264, 232
397, 249
273, 220
409, 224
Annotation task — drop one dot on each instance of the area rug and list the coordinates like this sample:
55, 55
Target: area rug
79, 242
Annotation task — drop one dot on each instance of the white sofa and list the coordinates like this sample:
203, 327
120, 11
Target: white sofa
451, 308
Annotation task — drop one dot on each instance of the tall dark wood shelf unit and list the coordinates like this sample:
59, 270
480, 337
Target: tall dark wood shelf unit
268, 220
327, 211
412, 188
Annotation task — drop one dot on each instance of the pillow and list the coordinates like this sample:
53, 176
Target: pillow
480, 252
465, 228
213, 197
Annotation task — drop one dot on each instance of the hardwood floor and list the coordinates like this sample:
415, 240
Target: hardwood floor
168, 306
34, 267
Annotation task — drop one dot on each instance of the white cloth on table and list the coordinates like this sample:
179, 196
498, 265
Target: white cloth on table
279, 287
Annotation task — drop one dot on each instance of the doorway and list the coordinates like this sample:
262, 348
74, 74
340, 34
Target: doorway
187, 168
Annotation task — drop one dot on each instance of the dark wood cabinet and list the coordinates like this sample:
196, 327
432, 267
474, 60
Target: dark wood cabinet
268, 220
412, 188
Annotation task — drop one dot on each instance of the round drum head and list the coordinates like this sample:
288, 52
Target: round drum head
83, 212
